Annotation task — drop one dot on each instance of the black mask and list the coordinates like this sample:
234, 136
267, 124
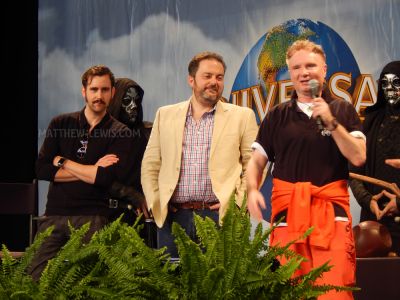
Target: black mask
129, 106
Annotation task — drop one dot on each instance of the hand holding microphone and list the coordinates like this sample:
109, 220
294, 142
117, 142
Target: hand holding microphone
314, 89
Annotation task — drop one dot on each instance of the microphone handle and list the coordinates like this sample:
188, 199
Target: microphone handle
319, 120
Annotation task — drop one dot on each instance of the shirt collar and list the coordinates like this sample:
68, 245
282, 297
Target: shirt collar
211, 111
83, 123
326, 95
307, 108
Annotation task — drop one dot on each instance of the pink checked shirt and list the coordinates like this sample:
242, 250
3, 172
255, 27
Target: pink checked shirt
194, 181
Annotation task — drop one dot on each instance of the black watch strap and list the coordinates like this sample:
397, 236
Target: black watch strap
61, 162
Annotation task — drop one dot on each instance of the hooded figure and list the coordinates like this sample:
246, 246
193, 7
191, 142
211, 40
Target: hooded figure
382, 129
126, 107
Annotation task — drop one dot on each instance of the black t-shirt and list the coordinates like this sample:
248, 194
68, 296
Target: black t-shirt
299, 152
68, 136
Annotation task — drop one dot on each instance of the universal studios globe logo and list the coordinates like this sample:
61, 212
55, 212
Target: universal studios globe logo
263, 78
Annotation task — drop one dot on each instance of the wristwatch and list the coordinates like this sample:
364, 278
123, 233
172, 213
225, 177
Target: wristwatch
333, 125
61, 162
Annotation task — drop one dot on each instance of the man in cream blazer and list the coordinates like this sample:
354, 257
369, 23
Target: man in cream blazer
197, 153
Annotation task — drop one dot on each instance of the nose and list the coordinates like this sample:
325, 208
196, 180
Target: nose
305, 72
213, 81
100, 94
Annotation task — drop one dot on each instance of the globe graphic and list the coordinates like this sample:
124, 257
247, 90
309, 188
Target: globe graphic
266, 63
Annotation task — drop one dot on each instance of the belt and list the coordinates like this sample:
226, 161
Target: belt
195, 205
115, 203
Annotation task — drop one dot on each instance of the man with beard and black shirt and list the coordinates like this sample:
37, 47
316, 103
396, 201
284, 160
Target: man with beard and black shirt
83, 153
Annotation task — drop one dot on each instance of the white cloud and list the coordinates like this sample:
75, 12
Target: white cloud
155, 54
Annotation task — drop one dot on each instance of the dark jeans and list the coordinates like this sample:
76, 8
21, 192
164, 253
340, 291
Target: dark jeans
183, 217
59, 237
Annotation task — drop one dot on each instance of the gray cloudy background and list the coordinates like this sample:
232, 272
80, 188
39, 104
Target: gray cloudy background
152, 41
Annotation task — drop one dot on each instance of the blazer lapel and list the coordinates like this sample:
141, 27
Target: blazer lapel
220, 121
179, 124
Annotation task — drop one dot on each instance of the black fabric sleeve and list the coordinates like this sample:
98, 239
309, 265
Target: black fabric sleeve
45, 170
121, 146
362, 196
360, 192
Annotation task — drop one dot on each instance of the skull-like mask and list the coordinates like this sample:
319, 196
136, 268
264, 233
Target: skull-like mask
391, 88
129, 106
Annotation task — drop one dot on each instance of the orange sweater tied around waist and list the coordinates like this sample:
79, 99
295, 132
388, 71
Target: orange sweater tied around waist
308, 205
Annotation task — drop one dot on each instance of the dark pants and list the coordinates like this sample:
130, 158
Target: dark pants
59, 237
183, 217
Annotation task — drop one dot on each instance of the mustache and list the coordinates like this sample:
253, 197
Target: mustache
98, 101
212, 87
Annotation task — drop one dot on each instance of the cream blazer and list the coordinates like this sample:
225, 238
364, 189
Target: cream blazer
235, 129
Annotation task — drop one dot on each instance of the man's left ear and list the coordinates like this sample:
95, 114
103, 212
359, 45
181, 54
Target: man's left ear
113, 92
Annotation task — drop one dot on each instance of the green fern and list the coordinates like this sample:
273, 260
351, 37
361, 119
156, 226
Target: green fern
14, 282
226, 263
117, 264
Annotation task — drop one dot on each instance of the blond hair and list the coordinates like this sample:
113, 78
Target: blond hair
304, 45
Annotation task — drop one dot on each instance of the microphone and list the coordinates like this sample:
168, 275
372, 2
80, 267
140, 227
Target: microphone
314, 89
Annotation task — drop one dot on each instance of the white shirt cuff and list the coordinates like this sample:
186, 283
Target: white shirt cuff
257, 147
358, 134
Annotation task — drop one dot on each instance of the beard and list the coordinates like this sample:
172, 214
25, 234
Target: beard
211, 97
203, 93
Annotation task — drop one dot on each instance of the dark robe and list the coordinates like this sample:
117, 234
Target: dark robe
382, 129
